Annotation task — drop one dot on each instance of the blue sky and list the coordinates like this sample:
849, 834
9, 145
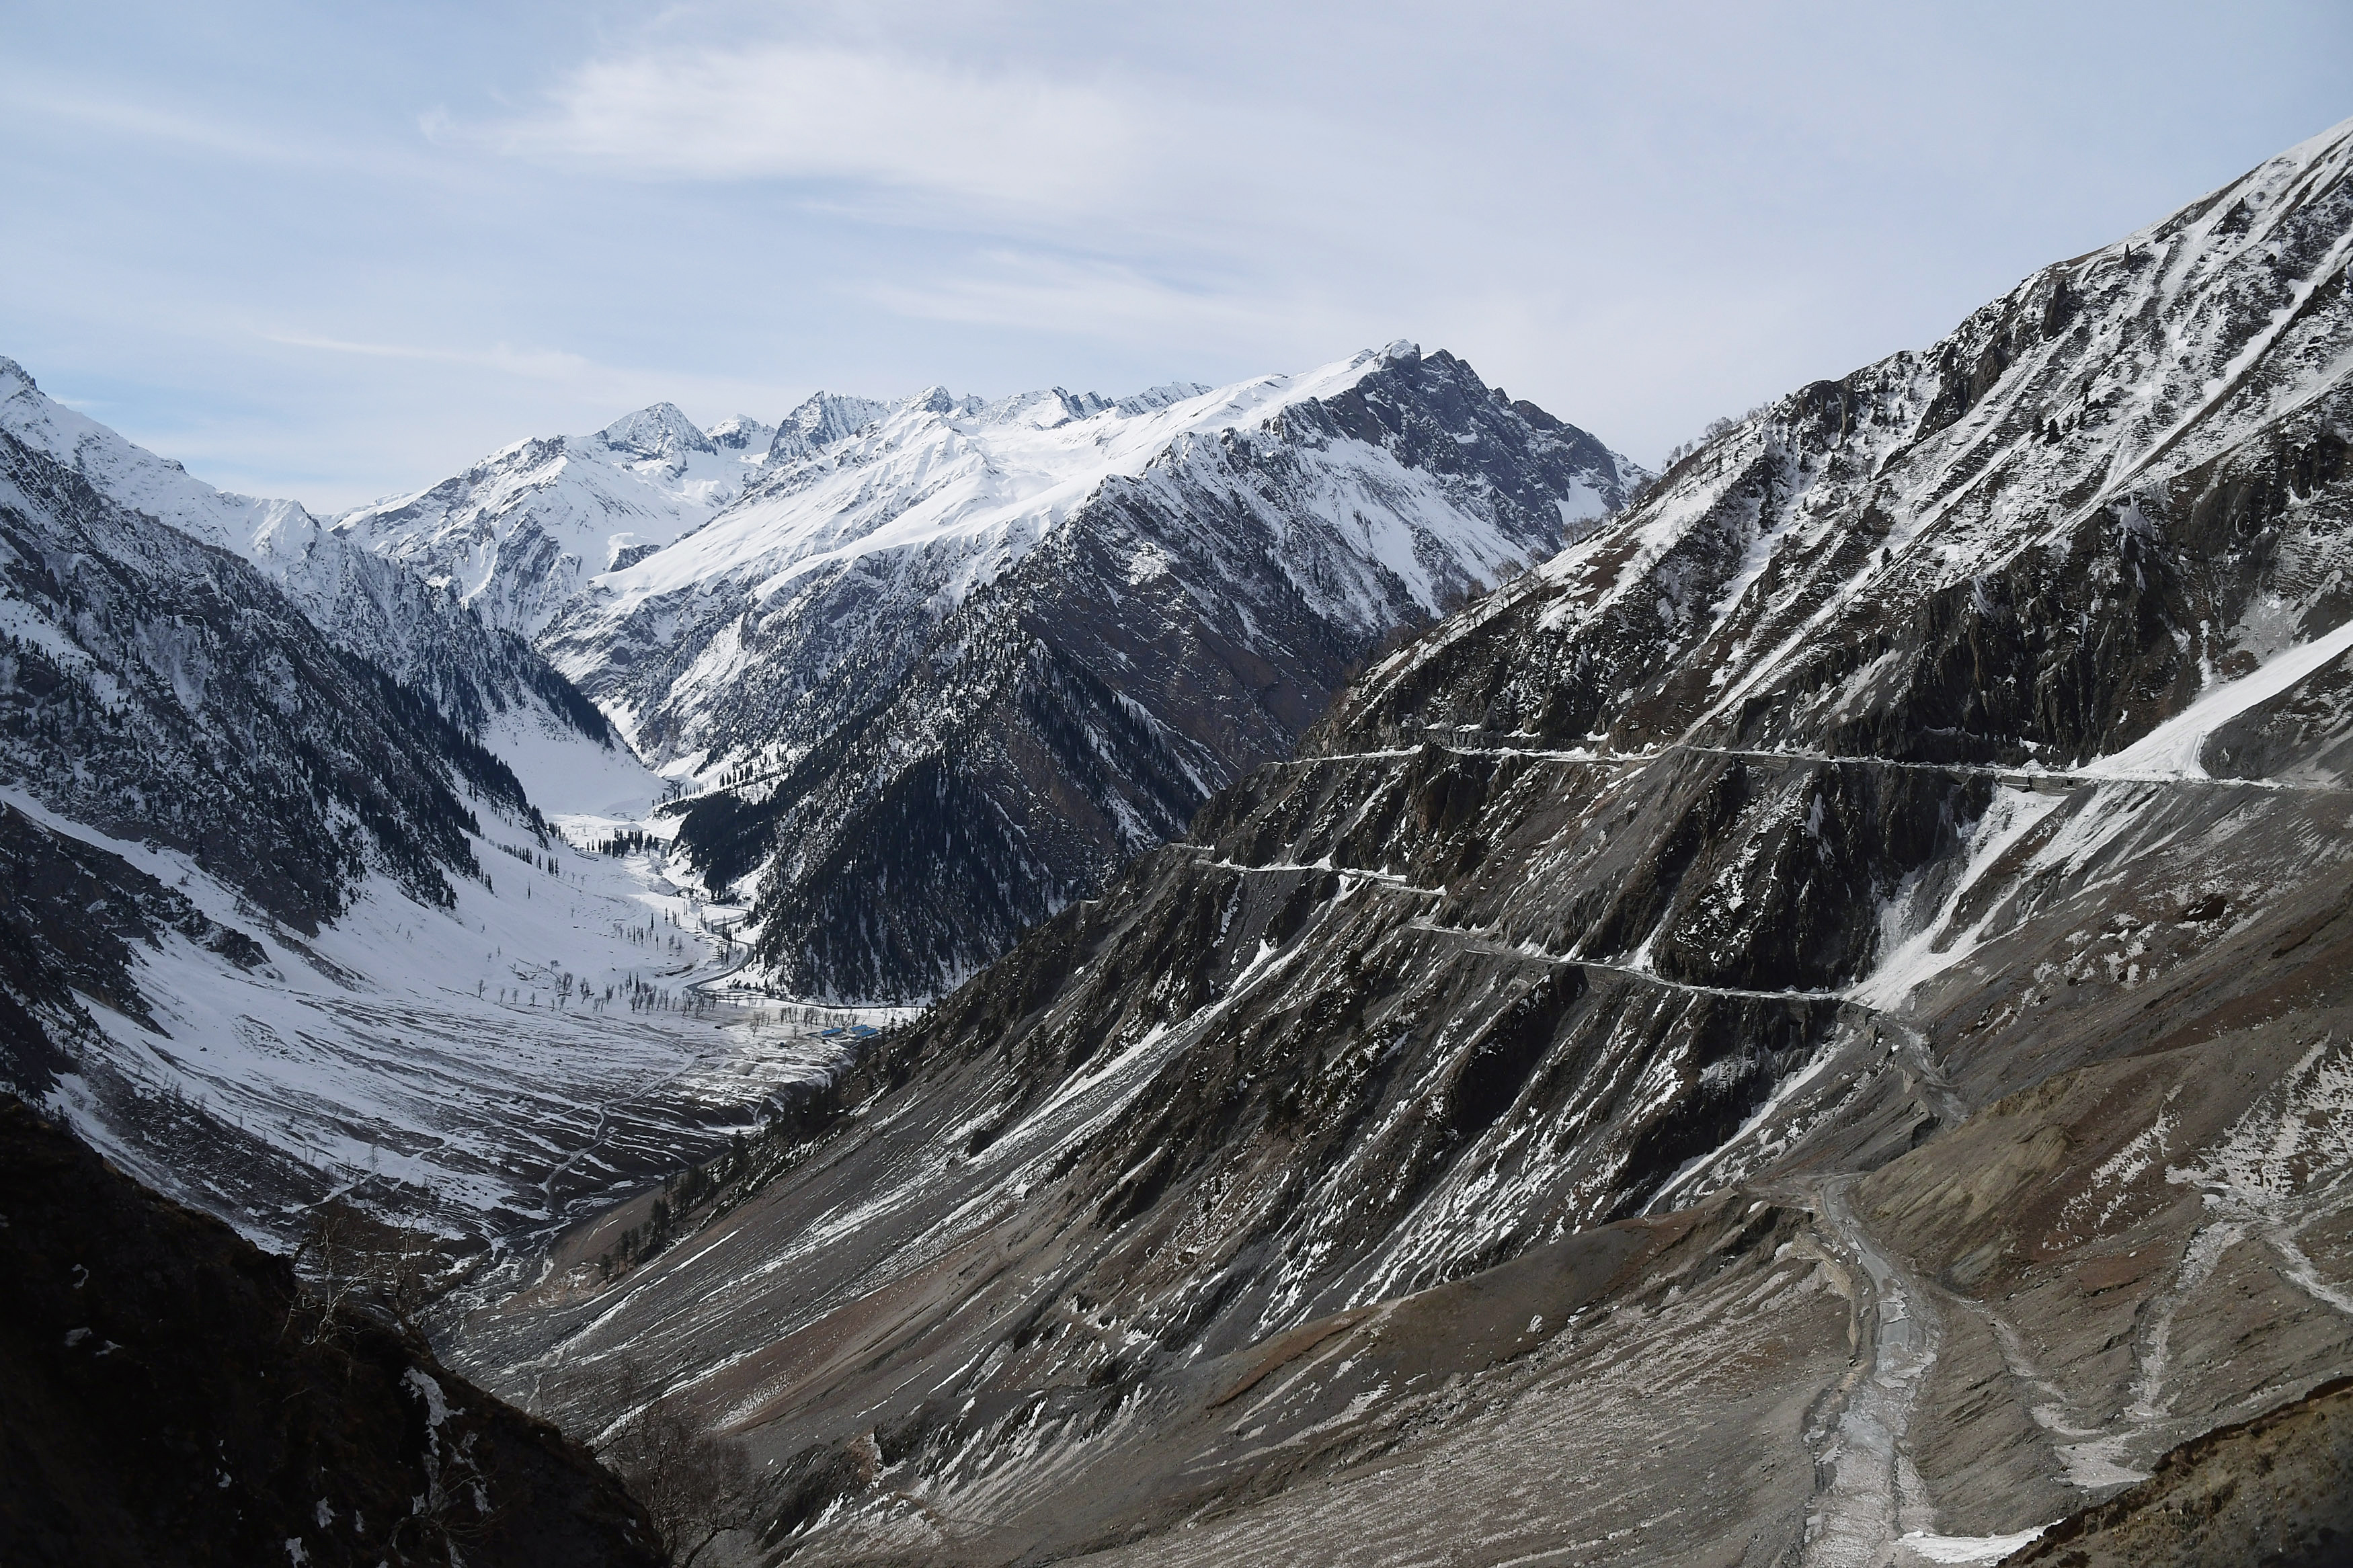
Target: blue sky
334, 252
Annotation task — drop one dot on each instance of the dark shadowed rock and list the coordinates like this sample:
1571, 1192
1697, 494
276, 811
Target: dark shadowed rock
2277, 1490
172, 1398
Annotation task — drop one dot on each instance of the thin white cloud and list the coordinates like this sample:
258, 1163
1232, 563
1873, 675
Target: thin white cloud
602, 392
778, 110
156, 123
538, 364
1099, 299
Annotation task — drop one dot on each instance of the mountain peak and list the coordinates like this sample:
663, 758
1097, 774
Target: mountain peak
741, 433
933, 399
821, 419
659, 430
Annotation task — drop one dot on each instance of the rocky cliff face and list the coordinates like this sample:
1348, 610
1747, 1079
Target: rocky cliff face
2278, 1489
953, 668
171, 1396
1810, 1027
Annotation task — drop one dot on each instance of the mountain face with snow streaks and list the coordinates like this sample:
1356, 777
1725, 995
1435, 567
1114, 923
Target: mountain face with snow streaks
163, 689
938, 666
952, 668
2154, 425
1810, 1027
257, 946
491, 684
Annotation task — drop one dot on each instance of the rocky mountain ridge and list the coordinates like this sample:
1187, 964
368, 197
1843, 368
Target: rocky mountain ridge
491, 684
516, 536
953, 670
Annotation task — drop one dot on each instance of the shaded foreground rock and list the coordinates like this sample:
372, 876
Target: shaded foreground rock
2277, 1490
169, 1397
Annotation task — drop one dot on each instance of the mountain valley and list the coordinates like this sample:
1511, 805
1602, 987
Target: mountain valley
930, 670
1324, 969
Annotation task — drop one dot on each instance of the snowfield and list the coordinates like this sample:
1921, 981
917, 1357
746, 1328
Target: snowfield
494, 1070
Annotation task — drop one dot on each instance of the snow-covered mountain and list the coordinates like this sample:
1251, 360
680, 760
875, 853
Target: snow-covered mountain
492, 685
1811, 1028
949, 667
517, 534
278, 923
822, 421
886, 525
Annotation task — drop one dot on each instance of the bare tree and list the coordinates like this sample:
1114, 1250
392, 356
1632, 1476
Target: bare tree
696, 1486
350, 1259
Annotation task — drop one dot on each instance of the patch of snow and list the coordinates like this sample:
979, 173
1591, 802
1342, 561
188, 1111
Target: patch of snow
1967, 1548
2172, 750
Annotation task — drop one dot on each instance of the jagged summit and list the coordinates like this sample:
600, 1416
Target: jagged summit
818, 423
516, 535
740, 433
138, 478
657, 431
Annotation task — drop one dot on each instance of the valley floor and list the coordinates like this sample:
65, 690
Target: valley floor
564, 1034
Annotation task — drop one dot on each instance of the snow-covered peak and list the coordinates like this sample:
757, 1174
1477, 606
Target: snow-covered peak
367, 605
938, 399
660, 431
823, 418
1042, 410
741, 433
516, 533
1382, 487
939, 467
252, 526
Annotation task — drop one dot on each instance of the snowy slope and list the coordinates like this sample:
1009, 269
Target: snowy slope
486, 682
515, 535
760, 613
261, 900
492, 1067
137, 479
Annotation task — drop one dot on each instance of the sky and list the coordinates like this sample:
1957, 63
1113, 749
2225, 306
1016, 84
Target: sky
341, 252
